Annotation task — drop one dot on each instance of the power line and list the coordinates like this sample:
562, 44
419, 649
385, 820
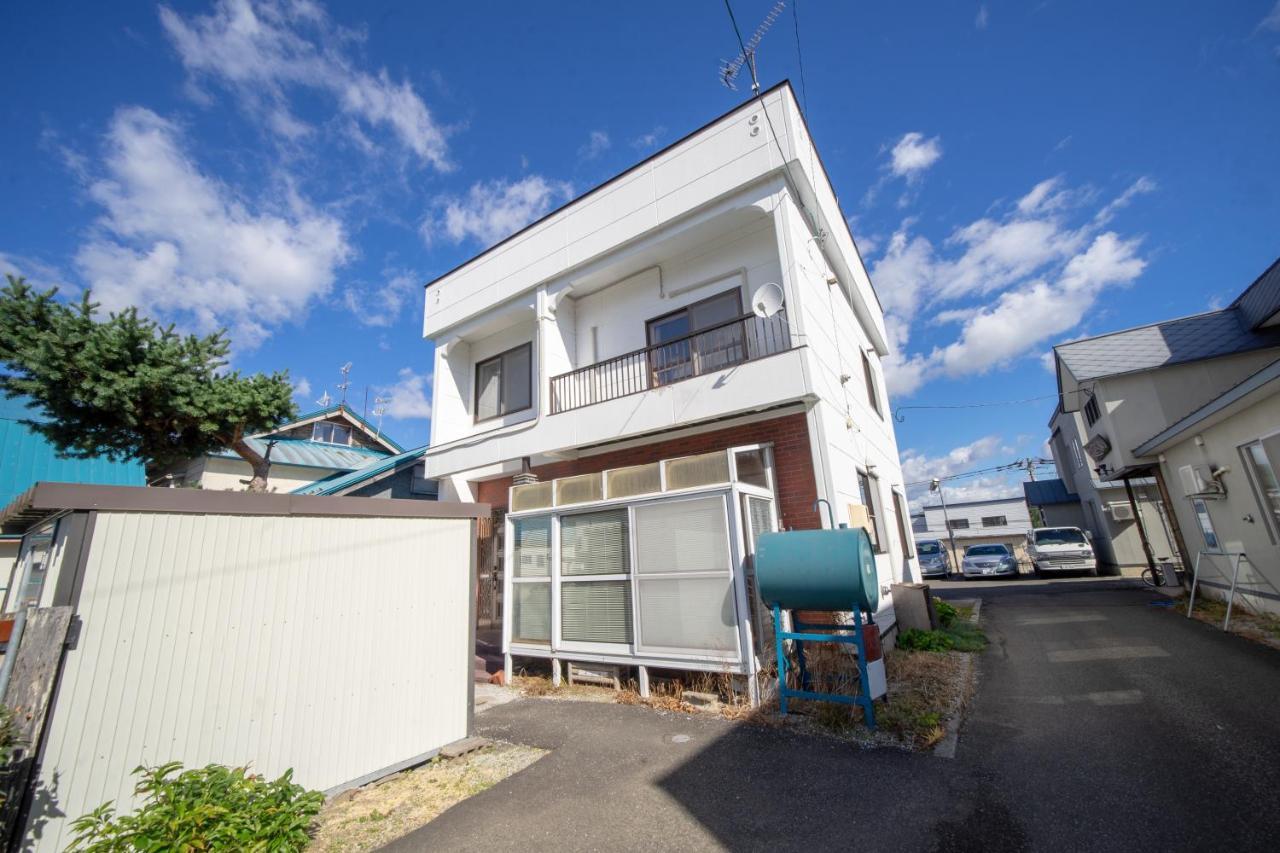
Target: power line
804, 89
897, 413
1009, 466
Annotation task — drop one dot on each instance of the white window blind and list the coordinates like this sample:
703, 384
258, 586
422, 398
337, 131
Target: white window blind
682, 536
595, 611
531, 615
761, 517
532, 543
685, 586
595, 544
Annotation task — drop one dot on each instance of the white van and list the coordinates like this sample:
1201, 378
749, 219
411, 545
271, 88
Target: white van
1061, 549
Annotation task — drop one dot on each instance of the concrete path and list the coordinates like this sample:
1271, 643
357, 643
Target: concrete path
1101, 723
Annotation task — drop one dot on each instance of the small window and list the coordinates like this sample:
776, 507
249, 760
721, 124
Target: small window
958, 524
1264, 472
994, 521
869, 484
1077, 453
873, 393
752, 467
504, 383
900, 510
1206, 524
330, 433
1091, 412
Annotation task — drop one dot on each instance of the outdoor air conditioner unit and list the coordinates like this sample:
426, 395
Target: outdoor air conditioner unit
1120, 512
1195, 483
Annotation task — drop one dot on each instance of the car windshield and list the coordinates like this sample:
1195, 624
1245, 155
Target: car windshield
1060, 536
929, 549
987, 551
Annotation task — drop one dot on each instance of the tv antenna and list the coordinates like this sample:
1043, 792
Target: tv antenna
380, 409
345, 370
324, 400
729, 69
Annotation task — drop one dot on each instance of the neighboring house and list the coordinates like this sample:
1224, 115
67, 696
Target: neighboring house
647, 378
26, 457
999, 520
308, 454
1192, 403
1102, 507
399, 476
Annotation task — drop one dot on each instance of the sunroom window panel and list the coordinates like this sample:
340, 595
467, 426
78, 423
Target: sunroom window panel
595, 611
682, 536
595, 543
531, 615
488, 385
704, 470
532, 547
694, 614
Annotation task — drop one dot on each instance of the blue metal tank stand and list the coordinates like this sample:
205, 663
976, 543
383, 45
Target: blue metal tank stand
804, 633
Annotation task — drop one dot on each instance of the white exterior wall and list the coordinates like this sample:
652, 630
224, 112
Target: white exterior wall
226, 475
1256, 538
338, 647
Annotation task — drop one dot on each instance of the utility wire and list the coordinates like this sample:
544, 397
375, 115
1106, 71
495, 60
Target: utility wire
1021, 463
804, 89
897, 413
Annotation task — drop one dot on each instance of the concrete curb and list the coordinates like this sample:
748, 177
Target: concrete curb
946, 748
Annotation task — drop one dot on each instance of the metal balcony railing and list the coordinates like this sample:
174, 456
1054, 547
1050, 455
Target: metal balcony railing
737, 341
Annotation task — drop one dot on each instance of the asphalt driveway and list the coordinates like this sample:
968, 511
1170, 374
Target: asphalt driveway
1101, 722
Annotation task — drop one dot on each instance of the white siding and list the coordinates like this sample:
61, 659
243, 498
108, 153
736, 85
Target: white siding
334, 646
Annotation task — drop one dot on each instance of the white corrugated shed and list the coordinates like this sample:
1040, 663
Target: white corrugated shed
336, 646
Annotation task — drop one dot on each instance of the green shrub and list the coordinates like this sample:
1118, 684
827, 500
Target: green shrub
946, 613
9, 738
915, 640
210, 808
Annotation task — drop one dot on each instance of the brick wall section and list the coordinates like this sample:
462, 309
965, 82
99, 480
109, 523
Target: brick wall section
789, 435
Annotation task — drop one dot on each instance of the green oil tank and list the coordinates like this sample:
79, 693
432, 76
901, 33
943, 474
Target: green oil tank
818, 570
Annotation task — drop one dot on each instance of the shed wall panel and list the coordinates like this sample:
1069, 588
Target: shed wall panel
334, 646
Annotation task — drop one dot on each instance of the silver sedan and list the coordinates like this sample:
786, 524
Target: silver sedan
988, 561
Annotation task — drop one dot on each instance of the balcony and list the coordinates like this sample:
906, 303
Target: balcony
743, 339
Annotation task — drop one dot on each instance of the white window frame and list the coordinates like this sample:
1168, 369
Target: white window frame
331, 425
510, 580
1200, 509
1270, 522
558, 579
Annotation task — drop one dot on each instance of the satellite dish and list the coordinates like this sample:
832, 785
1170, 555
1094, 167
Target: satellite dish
767, 300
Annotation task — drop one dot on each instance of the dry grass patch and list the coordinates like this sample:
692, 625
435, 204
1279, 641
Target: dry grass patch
380, 813
925, 690
541, 686
1259, 627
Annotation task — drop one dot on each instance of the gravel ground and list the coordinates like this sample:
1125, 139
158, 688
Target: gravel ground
370, 817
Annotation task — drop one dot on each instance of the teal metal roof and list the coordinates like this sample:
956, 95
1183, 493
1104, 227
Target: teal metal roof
306, 453
343, 407
337, 485
27, 458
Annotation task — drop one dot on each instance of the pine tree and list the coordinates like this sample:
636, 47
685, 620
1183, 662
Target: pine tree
126, 387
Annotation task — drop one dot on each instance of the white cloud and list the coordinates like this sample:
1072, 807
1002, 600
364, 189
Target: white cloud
649, 140
981, 19
1045, 272
493, 210
1272, 20
913, 154
917, 466
261, 50
985, 452
597, 143
182, 246
383, 304
38, 274
302, 388
410, 396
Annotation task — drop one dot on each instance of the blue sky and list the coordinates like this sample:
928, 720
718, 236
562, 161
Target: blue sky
1016, 174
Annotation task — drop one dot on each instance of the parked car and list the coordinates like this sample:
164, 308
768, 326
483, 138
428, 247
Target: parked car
935, 562
988, 561
1061, 549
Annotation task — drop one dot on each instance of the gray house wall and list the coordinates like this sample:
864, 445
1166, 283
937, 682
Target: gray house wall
399, 484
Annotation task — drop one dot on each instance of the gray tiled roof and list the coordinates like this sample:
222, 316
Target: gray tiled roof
1162, 344
1262, 299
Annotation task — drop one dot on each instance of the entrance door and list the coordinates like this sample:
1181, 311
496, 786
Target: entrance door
489, 565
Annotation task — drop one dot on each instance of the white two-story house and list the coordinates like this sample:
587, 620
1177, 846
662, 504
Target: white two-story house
646, 379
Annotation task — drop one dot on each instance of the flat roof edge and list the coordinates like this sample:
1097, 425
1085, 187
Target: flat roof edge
49, 498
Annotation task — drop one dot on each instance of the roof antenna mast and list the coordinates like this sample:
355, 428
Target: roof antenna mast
380, 409
729, 69
345, 370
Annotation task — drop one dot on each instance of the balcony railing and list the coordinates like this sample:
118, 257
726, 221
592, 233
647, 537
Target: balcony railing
737, 341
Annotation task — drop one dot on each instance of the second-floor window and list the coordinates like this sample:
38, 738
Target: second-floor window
994, 521
1091, 411
504, 383
330, 433
873, 394
958, 524
678, 352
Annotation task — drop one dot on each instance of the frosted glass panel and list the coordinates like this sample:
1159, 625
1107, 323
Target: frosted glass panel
595, 543
530, 496
532, 543
704, 470
595, 611
636, 480
682, 536
580, 489
694, 614
761, 518
531, 615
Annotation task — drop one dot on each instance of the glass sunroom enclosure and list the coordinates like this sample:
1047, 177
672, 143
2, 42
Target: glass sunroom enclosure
648, 565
